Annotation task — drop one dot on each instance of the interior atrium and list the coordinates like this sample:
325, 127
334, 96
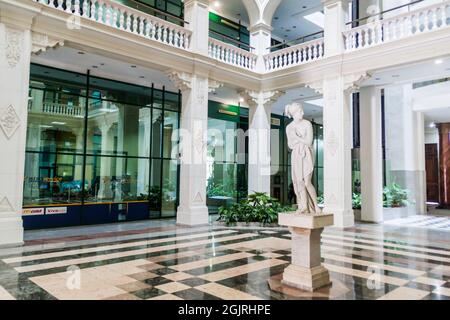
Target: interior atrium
139, 137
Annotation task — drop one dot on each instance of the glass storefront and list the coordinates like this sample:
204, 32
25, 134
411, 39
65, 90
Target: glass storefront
226, 157
99, 145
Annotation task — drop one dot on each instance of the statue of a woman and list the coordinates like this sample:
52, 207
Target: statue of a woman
300, 140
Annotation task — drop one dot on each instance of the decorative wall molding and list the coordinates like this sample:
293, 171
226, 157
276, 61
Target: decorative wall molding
14, 45
6, 206
9, 121
332, 143
41, 42
213, 85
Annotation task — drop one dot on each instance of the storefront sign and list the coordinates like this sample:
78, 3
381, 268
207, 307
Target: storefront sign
33, 212
56, 210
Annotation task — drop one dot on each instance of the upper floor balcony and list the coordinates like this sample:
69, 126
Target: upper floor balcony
168, 27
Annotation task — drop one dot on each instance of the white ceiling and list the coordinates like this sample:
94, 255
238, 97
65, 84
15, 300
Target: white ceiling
69, 59
423, 71
288, 22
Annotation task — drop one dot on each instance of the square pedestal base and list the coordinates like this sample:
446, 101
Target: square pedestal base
308, 279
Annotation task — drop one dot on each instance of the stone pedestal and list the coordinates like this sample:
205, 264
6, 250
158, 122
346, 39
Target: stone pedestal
306, 271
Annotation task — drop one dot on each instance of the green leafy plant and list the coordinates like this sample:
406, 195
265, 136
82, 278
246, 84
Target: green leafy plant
394, 196
356, 201
258, 207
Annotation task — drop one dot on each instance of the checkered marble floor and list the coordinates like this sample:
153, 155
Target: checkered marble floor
421, 221
365, 262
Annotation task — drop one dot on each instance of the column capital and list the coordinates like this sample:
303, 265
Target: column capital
317, 86
183, 81
352, 82
40, 42
265, 98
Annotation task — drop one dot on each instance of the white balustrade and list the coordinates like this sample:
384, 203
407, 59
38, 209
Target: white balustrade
231, 55
295, 55
404, 25
60, 109
121, 17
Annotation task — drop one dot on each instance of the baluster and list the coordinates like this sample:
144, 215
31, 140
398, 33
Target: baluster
121, 19
314, 52
188, 41
100, 12
426, 21
239, 59
135, 23
408, 26
76, 7
128, 24
164, 37
159, 32
434, 19
85, 8
93, 8
141, 26
177, 39
115, 17
147, 28
108, 15
60, 4
171, 31
354, 42
69, 6
151, 29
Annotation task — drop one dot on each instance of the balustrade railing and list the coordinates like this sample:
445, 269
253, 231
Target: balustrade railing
295, 55
58, 109
121, 17
398, 27
231, 55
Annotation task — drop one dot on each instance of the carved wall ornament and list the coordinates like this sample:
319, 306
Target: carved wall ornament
6, 206
332, 143
41, 42
317, 86
14, 45
9, 121
198, 198
213, 85
353, 82
199, 141
181, 80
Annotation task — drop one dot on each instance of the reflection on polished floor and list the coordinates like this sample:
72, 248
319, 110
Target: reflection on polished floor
158, 260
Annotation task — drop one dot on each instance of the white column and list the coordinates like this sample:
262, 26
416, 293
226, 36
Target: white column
259, 168
260, 41
196, 12
371, 155
337, 151
15, 53
105, 190
404, 145
193, 139
335, 12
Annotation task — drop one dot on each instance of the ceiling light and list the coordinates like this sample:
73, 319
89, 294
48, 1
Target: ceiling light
241, 99
432, 125
438, 61
318, 18
216, 4
58, 123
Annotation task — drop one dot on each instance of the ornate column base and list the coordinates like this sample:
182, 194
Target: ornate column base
306, 271
11, 231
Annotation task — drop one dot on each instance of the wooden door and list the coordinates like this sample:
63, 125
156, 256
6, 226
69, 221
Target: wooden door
432, 172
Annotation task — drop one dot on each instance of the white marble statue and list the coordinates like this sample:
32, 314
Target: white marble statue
300, 138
